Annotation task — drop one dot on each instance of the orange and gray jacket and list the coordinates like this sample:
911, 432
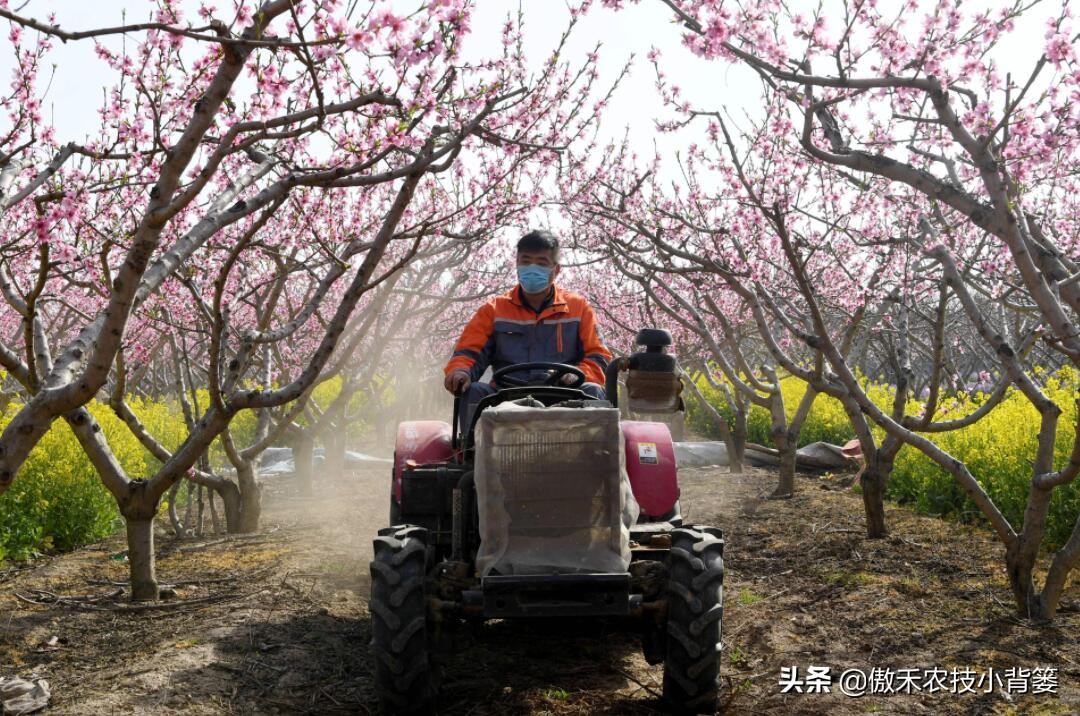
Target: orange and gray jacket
506, 331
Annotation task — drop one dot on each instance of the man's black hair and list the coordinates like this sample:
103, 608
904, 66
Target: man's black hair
540, 240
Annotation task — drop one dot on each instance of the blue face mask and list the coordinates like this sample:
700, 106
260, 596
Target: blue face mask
533, 278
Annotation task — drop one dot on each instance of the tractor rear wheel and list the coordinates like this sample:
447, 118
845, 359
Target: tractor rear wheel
694, 614
405, 671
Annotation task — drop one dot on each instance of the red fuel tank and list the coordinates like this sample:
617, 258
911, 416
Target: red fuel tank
650, 463
422, 442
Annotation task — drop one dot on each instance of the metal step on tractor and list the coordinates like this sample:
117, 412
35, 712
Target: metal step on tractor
547, 506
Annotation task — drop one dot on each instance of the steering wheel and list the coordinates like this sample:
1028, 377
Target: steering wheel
556, 372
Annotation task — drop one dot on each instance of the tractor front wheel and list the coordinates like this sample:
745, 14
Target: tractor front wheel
405, 672
694, 612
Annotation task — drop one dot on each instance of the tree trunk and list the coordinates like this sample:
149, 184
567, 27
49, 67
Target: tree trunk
738, 438
785, 487
1063, 562
230, 498
875, 482
335, 452
785, 434
140, 538
213, 511
785, 445
250, 498
191, 487
1020, 569
174, 518
302, 461
229, 492
873, 495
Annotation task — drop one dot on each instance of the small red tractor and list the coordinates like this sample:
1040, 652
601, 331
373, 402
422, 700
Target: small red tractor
547, 506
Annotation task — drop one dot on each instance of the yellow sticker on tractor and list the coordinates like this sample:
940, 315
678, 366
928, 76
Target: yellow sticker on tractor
647, 454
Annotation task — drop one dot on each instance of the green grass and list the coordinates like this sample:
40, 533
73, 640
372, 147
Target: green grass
747, 598
556, 694
847, 580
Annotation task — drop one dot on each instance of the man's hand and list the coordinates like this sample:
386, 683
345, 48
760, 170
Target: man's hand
457, 382
571, 380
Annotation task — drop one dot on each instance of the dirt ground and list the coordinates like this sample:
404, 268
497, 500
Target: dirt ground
283, 626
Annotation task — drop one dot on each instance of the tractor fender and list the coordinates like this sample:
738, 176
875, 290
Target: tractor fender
421, 442
650, 464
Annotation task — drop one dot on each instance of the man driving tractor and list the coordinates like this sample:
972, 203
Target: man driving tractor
536, 321
550, 506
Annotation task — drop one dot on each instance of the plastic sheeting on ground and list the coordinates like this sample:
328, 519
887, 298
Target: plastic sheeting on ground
23, 696
700, 454
813, 457
279, 461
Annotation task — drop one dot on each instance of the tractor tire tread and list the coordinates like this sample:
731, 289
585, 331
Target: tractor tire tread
399, 595
682, 555
683, 638
714, 614
402, 639
692, 601
386, 572
714, 572
694, 619
405, 674
379, 608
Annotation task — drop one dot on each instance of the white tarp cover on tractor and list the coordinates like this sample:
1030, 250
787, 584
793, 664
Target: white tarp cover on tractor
552, 491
